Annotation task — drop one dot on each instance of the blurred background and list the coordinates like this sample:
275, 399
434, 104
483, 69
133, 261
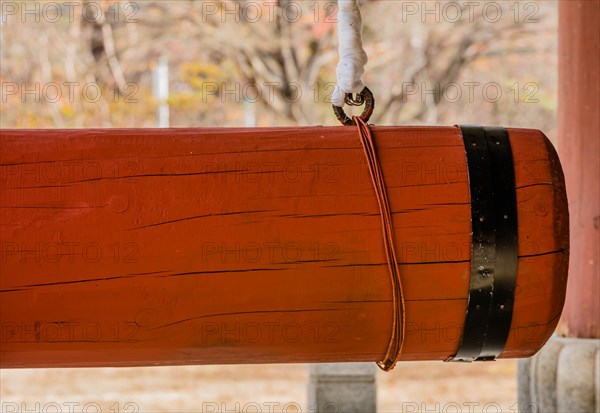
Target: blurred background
417, 387
234, 63
114, 64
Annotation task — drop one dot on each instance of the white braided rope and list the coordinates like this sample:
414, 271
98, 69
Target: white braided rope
353, 57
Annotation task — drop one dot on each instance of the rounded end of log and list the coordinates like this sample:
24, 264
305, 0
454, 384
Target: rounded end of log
543, 217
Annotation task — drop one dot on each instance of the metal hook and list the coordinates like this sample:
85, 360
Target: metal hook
365, 97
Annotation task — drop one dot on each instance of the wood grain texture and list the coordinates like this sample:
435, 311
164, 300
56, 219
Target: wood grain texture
214, 246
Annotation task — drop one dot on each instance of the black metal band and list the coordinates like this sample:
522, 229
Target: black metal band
495, 243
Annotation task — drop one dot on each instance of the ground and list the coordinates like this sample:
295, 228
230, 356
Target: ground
411, 387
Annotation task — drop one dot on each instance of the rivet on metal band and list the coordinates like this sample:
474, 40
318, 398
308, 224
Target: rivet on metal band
495, 243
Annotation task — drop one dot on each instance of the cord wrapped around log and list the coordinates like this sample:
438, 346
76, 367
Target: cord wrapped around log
131, 247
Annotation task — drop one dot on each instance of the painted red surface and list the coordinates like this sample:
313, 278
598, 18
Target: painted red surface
212, 246
579, 143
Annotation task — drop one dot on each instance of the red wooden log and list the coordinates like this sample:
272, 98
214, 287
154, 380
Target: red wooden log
212, 246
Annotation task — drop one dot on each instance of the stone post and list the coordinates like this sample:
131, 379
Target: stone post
342, 387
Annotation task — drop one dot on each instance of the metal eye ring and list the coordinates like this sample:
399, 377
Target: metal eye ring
365, 97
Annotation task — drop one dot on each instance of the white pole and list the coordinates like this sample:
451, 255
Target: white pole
160, 86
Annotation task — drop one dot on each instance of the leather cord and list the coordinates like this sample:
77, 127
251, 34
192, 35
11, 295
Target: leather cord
398, 320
